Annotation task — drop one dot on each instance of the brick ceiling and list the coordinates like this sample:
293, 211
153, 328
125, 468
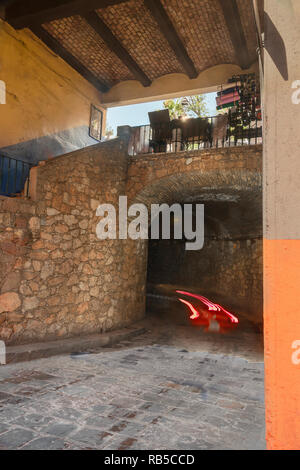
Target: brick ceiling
142, 39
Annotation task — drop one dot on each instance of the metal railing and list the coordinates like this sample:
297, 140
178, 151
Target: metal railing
195, 134
14, 174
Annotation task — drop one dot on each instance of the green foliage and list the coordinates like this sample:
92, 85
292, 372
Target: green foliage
190, 106
108, 133
175, 108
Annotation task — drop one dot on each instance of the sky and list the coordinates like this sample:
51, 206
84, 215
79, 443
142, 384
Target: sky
137, 114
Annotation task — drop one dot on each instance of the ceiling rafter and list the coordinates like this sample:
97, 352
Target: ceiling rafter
22, 14
58, 49
235, 29
116, 47
167, 29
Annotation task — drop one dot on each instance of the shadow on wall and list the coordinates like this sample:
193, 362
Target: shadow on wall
275, 46
48, 146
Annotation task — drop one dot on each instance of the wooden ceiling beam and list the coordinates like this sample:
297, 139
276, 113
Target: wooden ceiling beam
22, 14
116, 47
3, 5
237, 35
58, 49
167, 29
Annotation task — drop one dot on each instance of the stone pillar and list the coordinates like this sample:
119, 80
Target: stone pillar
282, 223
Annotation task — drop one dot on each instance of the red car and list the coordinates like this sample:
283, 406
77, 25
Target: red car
206, 313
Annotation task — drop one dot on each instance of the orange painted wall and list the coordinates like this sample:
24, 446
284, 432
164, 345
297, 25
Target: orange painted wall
44, 94
282, 223
282, 327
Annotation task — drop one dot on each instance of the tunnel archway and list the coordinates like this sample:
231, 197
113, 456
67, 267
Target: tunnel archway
229, 267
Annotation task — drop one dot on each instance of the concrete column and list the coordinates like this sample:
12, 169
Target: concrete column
282, 223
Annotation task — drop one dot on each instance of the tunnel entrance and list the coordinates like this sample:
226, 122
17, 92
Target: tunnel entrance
228, 269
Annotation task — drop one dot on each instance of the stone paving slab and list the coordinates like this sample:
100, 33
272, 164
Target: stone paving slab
141, 397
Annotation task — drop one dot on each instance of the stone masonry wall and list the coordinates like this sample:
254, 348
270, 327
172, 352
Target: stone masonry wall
56, 278
229, 269
17, 223
238, 168
62, 280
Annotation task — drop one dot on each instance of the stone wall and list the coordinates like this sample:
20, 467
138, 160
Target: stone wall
17, 222
157, 177
228, 182
57, 278
62, 280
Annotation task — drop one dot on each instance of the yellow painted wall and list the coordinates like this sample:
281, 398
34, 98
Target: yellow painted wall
44, 95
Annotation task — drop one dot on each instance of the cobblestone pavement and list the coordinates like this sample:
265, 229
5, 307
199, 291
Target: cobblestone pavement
140, 395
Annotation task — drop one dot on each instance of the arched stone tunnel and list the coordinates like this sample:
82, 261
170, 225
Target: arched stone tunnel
228, 269
69, 282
